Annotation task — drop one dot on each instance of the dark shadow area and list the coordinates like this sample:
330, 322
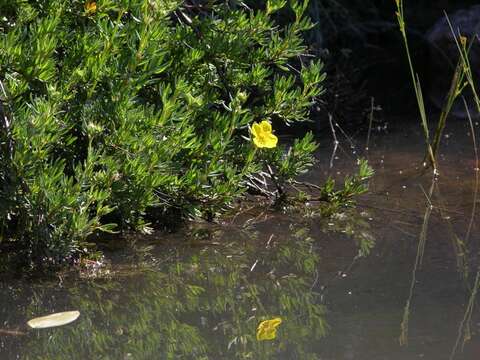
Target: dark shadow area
362, 47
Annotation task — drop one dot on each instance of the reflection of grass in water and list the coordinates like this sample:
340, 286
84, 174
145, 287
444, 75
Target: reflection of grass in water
462, 266
403, 339
462, 78
464, 329
461, 250
459, 246
475, 192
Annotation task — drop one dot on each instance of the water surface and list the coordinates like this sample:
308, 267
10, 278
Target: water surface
395, 278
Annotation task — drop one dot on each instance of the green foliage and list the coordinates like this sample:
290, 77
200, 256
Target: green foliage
139, 108
353, 185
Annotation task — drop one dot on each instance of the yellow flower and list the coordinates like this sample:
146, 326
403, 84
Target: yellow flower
267, 330
90, 6
262, 135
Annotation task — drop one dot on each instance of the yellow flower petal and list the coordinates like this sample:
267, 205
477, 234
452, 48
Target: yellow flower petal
276, 321
267, 330
256, 129
262, 135
271, 141
90, 6
266, 126
258, 141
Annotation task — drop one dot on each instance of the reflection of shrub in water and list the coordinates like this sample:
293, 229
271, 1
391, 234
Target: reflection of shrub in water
204, 305
201, 303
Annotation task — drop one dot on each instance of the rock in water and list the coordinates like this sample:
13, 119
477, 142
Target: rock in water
53, 320
444, 57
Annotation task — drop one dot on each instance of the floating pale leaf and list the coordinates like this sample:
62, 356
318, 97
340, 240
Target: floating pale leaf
52, 320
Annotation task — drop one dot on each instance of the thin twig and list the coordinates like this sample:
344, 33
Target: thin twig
335, 140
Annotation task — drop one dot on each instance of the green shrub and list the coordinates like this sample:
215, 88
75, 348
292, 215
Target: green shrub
122, 109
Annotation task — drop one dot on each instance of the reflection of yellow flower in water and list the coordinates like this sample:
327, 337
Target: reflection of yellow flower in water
90, 6
262, 135
267, 330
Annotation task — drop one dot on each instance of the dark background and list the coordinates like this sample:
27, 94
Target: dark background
362, 47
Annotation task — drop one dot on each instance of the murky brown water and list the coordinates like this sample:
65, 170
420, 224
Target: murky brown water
200, 294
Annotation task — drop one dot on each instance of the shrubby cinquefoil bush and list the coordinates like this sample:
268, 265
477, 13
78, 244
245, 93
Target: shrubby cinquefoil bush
117, 113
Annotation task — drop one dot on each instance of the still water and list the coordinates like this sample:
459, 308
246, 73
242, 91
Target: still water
395, 278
